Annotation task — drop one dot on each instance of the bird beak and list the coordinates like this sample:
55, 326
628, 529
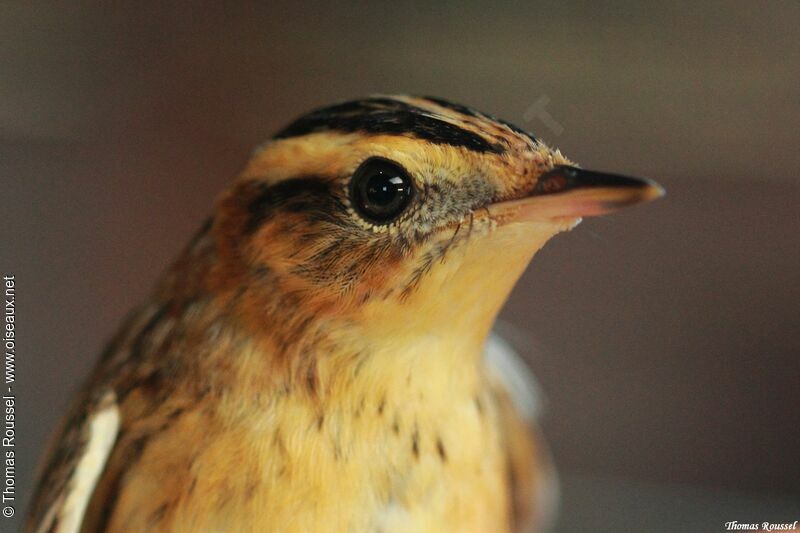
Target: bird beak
571, 192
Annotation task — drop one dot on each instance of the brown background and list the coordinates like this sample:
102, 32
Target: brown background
667, 337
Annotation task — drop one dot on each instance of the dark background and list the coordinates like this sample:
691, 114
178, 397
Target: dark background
666, 337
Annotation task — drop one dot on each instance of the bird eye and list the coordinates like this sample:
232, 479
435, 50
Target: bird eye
380, 190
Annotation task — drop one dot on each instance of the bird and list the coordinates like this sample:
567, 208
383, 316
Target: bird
315, 359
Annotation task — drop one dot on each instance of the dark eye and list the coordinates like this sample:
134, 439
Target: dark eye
380, 190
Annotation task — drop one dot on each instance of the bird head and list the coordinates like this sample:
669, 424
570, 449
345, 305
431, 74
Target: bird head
400, 216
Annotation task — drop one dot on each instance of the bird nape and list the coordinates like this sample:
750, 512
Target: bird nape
314, 359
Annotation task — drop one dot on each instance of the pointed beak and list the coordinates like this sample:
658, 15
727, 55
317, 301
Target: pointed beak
571, 192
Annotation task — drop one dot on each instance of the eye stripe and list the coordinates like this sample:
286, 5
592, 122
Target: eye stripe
309, 194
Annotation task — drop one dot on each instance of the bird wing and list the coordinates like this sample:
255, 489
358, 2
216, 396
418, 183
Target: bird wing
75, 465
534, 485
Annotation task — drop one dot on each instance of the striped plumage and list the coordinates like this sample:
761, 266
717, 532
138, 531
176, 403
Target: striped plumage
303, 368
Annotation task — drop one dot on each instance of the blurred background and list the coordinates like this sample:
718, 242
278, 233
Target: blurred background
666, 337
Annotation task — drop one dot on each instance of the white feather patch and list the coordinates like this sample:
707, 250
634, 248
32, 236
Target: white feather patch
521, 385
103, 427
528, 399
